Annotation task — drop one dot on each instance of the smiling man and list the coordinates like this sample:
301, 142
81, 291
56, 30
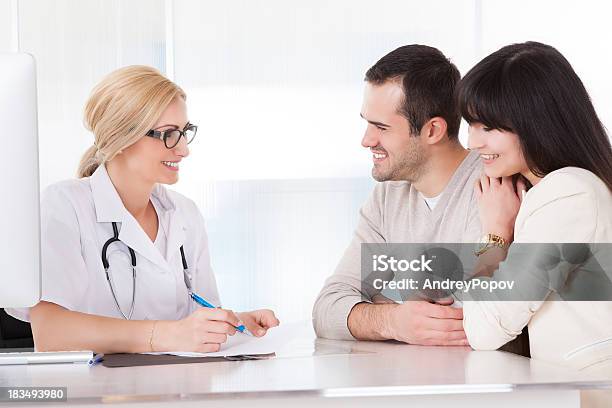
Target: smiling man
425, 194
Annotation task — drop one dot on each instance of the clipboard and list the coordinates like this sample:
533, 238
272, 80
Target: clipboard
135, 360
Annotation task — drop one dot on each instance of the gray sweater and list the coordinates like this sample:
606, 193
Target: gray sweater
396, 213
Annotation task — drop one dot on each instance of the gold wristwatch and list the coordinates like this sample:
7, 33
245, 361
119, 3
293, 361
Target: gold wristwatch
489, 241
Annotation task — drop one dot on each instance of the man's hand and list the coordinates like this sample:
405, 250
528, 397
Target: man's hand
413, 322
427, 324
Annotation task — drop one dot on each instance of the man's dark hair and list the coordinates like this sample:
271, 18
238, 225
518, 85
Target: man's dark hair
428, 80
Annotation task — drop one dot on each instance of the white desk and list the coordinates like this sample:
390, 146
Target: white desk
328, 373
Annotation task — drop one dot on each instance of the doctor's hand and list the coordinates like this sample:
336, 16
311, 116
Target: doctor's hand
428, 324
202, 331
259, 321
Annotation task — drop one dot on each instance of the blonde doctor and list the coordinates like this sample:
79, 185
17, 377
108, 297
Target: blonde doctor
120, 252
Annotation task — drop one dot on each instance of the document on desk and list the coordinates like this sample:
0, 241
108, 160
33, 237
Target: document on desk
243, 345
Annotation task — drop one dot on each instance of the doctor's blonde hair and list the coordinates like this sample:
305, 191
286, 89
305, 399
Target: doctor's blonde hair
121, 109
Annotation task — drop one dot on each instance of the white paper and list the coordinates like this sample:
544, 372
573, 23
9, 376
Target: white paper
242, 344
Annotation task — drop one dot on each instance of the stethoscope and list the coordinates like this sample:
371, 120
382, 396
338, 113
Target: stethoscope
115, 238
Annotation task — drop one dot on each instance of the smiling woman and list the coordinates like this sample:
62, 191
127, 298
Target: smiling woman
146, 92
530, 114
528, 109
150, 157
122, 255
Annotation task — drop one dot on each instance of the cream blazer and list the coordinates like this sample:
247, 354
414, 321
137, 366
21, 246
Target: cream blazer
568, 205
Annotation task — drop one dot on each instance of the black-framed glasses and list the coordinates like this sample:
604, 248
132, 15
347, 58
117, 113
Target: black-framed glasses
171, 137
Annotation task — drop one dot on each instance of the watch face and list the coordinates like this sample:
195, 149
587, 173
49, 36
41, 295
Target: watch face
482, 244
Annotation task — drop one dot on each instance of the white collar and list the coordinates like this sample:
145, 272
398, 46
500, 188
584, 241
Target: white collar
110, 208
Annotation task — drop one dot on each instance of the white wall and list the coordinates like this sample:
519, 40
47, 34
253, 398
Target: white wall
580, 30
76, 43
278, 83
6, 29
275, 87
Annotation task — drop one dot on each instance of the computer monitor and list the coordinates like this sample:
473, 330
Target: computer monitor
20, 276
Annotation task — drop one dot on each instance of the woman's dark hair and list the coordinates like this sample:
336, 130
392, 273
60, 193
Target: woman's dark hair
530, 89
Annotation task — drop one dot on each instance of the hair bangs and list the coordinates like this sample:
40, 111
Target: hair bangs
480, 101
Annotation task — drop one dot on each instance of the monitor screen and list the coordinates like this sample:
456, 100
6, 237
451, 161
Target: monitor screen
20, 276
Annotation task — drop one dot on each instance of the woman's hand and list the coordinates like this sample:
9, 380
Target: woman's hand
498, 204
202, 331
259, 321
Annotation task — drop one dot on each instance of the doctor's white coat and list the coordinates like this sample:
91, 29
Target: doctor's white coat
76, 221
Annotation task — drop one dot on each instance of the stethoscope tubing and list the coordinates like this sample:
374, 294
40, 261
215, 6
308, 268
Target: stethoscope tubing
106, 265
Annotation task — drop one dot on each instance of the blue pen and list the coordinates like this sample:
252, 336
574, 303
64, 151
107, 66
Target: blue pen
96, 359
200, 301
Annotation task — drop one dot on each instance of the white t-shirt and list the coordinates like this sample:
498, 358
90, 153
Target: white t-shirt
431, 201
